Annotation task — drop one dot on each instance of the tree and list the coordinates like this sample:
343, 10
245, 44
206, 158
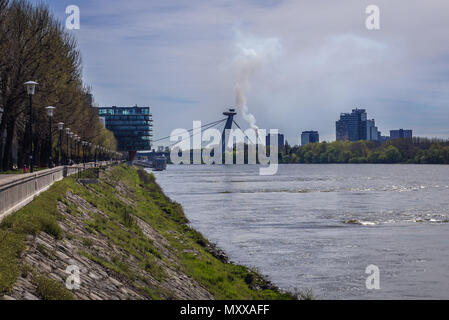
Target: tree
35, 46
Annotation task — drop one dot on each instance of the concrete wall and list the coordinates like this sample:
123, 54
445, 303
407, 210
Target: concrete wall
18, 190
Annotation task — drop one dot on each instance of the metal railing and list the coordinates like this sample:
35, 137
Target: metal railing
18, 191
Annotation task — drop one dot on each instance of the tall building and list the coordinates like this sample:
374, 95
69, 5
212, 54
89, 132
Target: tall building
309, 137
384, 138
372, 133
90, 99
280, 138
352, 126
401, 133
132, 127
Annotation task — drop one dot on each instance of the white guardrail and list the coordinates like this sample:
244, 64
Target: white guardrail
17, 191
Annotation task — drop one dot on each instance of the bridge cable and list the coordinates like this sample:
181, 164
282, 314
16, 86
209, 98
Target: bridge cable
204, 125
243, 131
210, 125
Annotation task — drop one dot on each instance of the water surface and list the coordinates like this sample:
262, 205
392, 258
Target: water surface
320, 226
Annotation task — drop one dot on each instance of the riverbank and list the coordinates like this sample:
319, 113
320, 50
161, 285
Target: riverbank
126, 238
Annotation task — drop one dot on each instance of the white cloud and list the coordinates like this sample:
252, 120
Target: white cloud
173, 55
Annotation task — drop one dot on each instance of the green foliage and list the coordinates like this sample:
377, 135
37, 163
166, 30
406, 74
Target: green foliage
416, 150
39, 215
11, 246
49, 289
91, 173
35, 45
88, 242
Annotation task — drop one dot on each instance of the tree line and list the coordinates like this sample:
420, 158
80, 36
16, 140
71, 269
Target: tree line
406, 150
35, 46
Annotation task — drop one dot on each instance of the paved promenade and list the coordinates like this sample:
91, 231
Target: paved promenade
5, 178
16, 190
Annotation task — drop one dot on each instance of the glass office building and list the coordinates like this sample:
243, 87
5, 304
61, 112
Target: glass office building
352, 126
309, 137
280, 137
132, 126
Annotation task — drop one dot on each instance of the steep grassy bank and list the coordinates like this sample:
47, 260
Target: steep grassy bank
128, 240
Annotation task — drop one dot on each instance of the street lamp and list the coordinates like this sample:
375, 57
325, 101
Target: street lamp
95, 155
50, 117
83, 146
60, 156
31, 87
69, 150
89, 144
75, 141
77, 149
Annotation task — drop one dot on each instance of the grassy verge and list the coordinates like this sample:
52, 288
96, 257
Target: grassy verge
40, 215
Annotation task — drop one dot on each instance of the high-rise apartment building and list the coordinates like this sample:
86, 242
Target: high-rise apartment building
372, 132
309, 137
352, 126
401, 133
280, 138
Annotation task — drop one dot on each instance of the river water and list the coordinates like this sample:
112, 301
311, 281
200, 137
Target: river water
320, 226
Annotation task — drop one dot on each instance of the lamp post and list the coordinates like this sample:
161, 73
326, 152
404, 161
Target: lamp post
50, 146
83, 146
31, 87
89, 149
75, 148
95, 155
80, 150
69, 150
61, 157
72, 143
77, 139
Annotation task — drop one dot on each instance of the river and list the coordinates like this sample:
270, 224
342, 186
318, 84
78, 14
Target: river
320, 226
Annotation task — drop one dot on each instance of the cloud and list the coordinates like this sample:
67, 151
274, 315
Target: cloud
167, 53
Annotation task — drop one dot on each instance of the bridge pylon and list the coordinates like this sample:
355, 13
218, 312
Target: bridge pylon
230, 114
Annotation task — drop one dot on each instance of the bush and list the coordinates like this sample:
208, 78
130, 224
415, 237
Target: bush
49, 289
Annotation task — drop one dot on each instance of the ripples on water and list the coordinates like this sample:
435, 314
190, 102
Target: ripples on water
319, 226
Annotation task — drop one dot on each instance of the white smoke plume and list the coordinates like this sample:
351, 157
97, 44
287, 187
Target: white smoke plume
251, 54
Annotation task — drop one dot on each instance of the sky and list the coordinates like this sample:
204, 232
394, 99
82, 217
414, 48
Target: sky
314, 60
